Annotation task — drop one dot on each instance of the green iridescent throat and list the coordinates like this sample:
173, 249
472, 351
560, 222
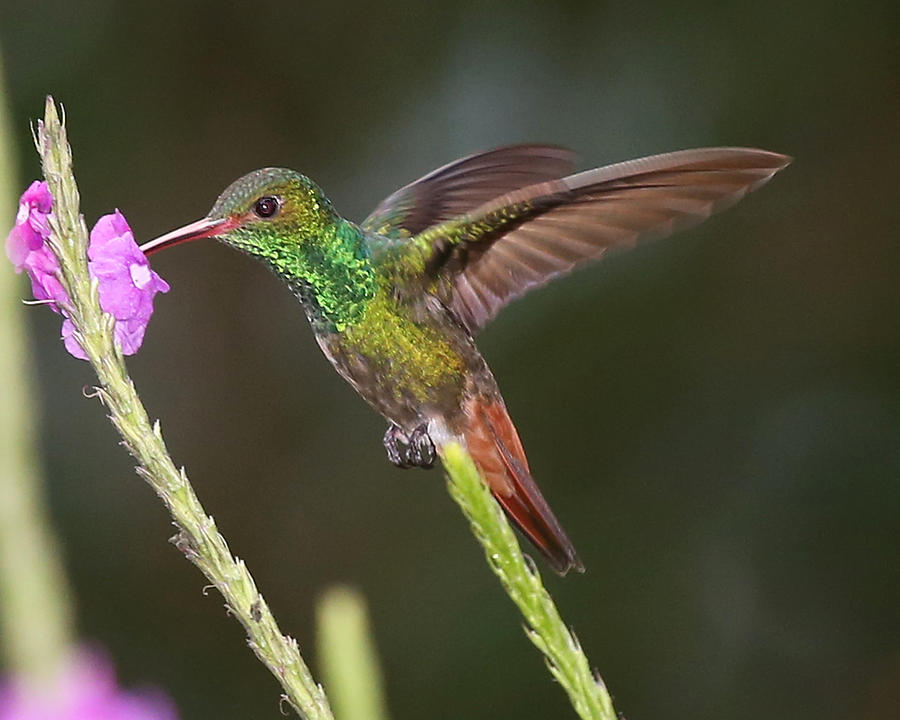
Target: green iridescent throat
330, 270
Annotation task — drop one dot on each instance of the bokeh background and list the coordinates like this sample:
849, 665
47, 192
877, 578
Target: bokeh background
714, 417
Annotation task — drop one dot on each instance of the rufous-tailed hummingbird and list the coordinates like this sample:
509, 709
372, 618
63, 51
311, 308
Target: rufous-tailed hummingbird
395, 301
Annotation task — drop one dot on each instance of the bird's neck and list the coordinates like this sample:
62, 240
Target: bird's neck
333, 276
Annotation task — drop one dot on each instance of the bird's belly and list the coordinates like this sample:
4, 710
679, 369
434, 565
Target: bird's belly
408, 372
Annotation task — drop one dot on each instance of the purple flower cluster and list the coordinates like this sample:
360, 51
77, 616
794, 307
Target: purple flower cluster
126, 284
86, 691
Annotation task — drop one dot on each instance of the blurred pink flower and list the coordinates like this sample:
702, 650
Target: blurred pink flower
126, 284
87, 690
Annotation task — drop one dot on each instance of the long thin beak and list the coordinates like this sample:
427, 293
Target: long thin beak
194, 231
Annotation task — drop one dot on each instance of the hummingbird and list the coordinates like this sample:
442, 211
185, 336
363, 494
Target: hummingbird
395, 301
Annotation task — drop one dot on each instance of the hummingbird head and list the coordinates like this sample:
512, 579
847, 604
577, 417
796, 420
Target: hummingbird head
267, 213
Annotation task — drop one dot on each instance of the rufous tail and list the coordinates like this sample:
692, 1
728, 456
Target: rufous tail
495, 447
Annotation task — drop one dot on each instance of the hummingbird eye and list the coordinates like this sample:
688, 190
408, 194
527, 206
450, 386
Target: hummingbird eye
267, 206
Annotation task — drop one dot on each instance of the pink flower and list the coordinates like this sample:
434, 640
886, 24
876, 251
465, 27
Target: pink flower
126, 284
87, 690
31, 227
26, 248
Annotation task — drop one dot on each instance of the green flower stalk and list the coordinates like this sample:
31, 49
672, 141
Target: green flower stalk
519, 577
35, 622
197, 537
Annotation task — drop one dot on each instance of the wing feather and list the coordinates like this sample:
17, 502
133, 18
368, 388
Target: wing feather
463, 185
521, 240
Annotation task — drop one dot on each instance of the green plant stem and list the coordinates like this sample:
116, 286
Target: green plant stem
197, 535
348, 657
35, 616
522, 582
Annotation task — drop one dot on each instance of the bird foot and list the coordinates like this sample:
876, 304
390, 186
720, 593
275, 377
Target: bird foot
396, 445
421, 448
413, 450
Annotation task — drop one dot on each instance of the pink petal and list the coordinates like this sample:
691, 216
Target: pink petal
17, 247
72, 345
141, 275
38, 197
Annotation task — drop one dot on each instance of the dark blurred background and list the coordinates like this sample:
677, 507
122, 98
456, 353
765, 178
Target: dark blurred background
714, 417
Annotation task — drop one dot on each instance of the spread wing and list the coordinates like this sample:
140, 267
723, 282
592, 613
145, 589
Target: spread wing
500, 250
465, 184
